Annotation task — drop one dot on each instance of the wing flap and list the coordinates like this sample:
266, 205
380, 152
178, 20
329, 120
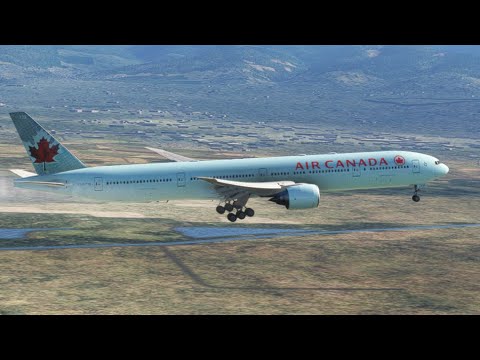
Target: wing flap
272, 185
258, 188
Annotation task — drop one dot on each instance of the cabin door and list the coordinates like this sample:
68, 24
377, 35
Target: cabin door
262, 173
415, 166
181, 179
356, 171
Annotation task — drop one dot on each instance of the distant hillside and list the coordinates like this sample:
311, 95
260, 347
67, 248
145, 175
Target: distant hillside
346, 65
29, 55
20, 61
404, 88
249, 64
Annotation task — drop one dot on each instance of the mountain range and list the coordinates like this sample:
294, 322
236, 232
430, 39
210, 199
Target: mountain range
411, 86
249, 64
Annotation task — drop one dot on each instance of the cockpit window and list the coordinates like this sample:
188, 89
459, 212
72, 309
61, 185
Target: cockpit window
437, 162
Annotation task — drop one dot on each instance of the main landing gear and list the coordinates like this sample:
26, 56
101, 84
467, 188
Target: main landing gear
240, 211
415, 196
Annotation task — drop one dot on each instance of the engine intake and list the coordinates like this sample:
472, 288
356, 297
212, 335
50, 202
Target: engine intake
302, 196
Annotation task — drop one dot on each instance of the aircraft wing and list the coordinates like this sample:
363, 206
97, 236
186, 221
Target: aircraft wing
169, 155
238, 187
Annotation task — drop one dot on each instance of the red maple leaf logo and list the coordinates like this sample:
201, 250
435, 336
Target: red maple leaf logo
399, 160
44, 153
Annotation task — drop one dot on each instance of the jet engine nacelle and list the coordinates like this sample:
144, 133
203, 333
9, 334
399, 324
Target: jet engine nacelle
303, 196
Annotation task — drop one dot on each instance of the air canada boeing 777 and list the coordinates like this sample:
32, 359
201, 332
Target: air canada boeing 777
292, 181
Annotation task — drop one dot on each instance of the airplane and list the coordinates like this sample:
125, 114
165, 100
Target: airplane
291, 181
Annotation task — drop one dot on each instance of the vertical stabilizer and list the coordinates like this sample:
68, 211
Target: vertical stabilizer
48, 155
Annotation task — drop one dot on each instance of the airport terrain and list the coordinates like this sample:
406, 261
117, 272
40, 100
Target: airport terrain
360, 252
273, 270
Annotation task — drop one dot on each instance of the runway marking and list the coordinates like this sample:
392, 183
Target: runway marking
246, 237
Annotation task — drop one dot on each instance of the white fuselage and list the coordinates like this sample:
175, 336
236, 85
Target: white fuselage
179, 180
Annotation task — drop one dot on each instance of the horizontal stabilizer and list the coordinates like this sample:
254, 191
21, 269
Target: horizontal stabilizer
44, 183
169, 155
22, 173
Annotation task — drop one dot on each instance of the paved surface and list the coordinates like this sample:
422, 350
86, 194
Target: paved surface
8, 234
208, 235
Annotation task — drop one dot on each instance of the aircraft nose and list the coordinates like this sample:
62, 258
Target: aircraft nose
445, 169
442, 169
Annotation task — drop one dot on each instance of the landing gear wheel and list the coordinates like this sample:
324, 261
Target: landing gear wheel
249, 212
220, 209
228, 207
232, 217
415, 196
241, 215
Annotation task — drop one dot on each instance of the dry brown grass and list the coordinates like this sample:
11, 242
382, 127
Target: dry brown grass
388, 273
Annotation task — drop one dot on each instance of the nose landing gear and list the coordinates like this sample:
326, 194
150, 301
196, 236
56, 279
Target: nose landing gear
415, 196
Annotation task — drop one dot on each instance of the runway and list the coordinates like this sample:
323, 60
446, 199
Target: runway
10, 234
199, 232
211, 235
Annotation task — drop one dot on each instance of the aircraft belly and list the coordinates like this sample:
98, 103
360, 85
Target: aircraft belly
162, 192
366, 180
